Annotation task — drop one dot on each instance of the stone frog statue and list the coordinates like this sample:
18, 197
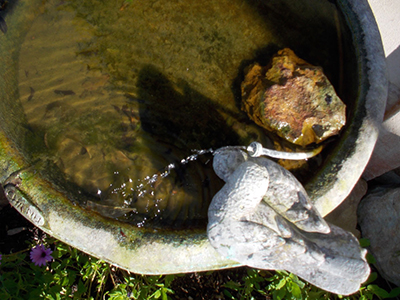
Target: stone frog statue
263, 218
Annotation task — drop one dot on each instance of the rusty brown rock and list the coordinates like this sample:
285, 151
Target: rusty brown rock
293, 99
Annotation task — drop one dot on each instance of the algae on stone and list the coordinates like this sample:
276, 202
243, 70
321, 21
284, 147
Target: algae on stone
293, 99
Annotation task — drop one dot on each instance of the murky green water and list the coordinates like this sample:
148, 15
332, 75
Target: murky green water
119, 91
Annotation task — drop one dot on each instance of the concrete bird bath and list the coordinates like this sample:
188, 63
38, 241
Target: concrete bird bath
341, 36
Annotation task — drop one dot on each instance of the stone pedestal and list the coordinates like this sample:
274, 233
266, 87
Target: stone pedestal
379, 220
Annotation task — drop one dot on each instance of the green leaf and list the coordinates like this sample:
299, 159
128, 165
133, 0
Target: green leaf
378, 291
364, 242
279, 294
296, 279
168, 279
81, 288
320, 295
372, 277
370, 258
232, 285
228, 294
281, 284
296, 291
117, 297
156, 294
394, 293
164, 294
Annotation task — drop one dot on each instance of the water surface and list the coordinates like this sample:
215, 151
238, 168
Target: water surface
124, 93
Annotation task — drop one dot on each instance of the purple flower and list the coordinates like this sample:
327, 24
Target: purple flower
0, 258
40, 255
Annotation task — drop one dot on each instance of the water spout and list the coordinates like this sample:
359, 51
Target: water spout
255, 149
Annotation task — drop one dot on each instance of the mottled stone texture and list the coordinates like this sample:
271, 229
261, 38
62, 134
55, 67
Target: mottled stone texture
345, 215
263, 218
293, 99
378, 217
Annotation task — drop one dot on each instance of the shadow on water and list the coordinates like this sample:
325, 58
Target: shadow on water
180, 120
180, 115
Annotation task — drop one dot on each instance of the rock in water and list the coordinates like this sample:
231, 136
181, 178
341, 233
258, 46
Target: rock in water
293, 99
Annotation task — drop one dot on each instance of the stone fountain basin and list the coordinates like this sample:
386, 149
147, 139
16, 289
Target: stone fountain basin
36, 189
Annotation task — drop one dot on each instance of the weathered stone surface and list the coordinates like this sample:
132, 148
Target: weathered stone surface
293, 99
345, 215
378, 216
263, 218
387, 149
